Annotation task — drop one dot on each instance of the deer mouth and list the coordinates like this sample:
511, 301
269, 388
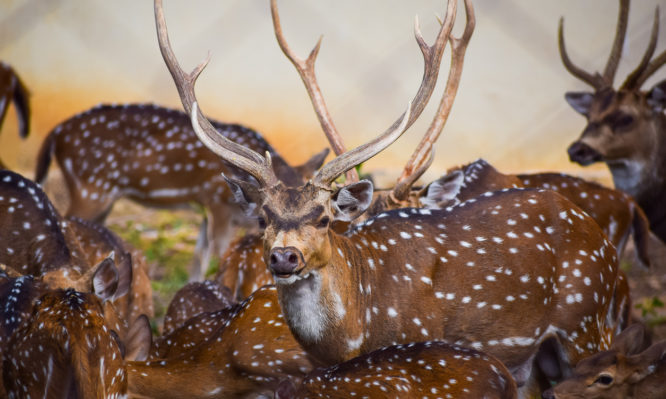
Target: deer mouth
286, 275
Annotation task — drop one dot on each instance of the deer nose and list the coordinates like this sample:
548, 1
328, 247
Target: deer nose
284, 261
583, 154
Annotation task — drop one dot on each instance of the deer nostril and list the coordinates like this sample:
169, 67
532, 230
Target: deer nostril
293, 258
274, 259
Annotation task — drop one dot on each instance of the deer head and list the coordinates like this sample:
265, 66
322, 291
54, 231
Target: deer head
625, 125
628, 369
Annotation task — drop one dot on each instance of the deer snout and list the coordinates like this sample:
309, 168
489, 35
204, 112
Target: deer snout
284, 262
548, 394
583, 154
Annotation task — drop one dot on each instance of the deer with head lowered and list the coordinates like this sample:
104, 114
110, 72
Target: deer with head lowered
462, 274
150, 154
626, 127
13, 89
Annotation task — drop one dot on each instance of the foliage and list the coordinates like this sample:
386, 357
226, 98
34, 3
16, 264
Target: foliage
649, 311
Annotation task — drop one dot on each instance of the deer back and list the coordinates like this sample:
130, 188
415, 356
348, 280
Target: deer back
414, 370
193, 299
33, 236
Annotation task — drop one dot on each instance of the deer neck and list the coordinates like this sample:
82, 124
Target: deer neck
645, 178
322, 306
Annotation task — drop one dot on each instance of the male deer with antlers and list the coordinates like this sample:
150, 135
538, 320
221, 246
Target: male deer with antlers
151, 155
626, 127
13, 89
460, 274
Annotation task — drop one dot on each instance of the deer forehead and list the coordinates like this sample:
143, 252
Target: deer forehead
295, 205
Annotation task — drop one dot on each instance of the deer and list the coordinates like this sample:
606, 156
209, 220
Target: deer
396, 278
20, 298
625, 126
630, 368
149, 154
243, 352
13, 90
65, 349
37, 240
415, 370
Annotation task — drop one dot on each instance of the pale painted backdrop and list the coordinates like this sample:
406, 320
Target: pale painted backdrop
73, 54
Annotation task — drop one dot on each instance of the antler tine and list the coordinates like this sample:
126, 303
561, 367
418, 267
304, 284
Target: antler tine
305, 68
423, 153
236, 154
656, 63
595, 80
618, 42
649, 52
432, 55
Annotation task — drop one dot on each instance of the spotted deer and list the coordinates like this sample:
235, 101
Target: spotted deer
65, 349
416, 370
150, 155
397, 277
13, 90
625, 127
19, 299
36, 240
631, 368
243, 352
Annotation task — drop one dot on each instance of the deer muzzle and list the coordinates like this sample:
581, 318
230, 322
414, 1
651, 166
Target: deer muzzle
286, 261
583, 154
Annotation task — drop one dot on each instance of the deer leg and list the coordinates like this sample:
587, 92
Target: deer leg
201, 257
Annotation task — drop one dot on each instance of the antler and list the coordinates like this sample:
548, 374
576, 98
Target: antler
305, 68
616, 50
595, 80
423, 155
244, 158
432, 56
646, 68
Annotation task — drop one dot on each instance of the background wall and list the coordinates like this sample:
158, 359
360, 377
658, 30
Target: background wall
510, 107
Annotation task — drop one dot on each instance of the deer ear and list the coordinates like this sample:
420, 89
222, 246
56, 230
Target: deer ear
632, 340
646, 362
139, 340
308, 169
245, 194
352, 200
443, 191
105, 279
124, 269
580, 101
656, 97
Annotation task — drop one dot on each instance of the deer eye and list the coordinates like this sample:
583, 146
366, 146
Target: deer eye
323, 222
624, 121
604, 379
262, 222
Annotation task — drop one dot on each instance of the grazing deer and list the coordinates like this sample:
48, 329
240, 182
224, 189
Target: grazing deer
13, 89
627, 370
416, 370
65, 349
240, 353
460, 274
626, 128
151, 155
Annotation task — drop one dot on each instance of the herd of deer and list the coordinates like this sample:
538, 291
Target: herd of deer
478, 284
